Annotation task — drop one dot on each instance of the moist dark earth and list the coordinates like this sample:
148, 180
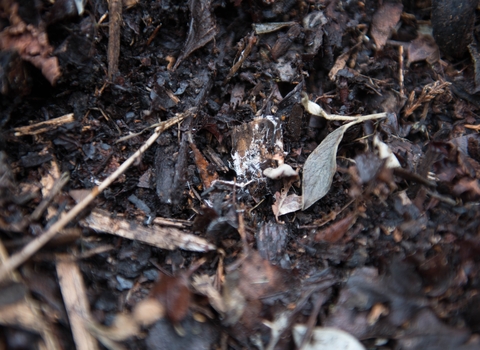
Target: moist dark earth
389, 255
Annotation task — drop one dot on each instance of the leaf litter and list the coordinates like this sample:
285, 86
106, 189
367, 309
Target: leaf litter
195, 254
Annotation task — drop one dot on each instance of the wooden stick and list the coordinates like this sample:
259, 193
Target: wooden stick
45, 126
114, 24
76, 303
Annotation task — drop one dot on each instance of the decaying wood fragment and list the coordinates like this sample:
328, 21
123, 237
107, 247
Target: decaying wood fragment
170, 167
115, 13
207, 174
76, 303
161, 237
45, 126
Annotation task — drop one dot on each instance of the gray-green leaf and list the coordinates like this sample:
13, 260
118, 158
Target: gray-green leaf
320, 167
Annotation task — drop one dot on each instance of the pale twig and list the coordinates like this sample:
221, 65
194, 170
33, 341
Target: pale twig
31, 248
45, 126
401, 73
315, 109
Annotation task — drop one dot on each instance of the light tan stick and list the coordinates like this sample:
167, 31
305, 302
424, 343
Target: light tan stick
31, 248
76, 304
42, 127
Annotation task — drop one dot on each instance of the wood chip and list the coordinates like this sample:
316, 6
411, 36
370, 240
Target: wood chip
161, 237
76, 303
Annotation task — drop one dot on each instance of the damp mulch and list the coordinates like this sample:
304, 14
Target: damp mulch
207, 174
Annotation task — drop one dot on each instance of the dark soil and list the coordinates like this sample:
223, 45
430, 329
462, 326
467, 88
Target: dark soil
390, 256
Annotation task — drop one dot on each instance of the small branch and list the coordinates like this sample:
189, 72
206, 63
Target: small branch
115, 13
42, 127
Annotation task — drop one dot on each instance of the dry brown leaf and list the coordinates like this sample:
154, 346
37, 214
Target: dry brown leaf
31, 43
423, 48
174, 295
336, 231
384, 21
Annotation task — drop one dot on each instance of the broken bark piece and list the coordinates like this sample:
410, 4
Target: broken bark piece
170, 168
254, 145
161, 237
165, 170
313, 24
214, 158
290, 109
14, 77
206, 171
272, 241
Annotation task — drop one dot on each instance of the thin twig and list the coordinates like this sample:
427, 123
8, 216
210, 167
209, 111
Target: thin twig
115, 11
315, 109
401, 73
31, 248
45, 126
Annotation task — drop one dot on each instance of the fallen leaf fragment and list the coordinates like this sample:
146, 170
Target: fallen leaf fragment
174, 295
423, 48
207, 174
320, 167
340, 63
290, 204
31, 43
384, 21
336, 231
286, 204
325, 338
126, 325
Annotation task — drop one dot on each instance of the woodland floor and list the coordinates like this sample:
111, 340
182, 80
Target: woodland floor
192, 246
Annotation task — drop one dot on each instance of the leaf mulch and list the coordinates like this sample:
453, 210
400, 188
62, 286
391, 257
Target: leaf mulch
181, 175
